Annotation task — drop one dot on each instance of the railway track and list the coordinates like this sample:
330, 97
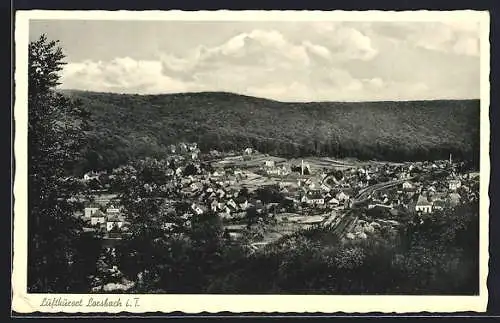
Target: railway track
342, 223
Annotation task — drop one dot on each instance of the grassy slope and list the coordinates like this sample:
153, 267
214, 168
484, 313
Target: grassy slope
132, 125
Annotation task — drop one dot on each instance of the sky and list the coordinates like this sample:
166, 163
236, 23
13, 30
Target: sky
281, 60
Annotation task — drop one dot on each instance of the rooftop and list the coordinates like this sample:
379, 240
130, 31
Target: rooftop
422, 201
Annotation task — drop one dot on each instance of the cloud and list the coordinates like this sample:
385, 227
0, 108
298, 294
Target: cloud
123, 75
255, 48
270, 48
375, 82
468, 26
451, 37
467, 46
307, 62
350, 43
318, 50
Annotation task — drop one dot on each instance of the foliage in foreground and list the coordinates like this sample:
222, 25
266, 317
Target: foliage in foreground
439, 257
58, 252
437, 254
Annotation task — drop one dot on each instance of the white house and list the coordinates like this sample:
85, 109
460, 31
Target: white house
454, 184
325, 188
385, 206
341, 196
454, 199
269, 163
334, 202
407, 186
314, 198
439, 205
314, 185
195, 186
112, 210
90, 210
244, 205
214, 206
198, 209
90, 175
193, 146
273, 171
232, 203
97, 217
183, 147
423, 205
114, 222
316, 201
221, 193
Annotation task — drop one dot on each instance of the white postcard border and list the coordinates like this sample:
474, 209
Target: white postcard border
22, 302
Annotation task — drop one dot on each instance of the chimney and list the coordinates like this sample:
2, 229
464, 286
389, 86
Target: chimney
302, 167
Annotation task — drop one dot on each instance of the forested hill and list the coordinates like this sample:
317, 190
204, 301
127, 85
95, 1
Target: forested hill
130, 126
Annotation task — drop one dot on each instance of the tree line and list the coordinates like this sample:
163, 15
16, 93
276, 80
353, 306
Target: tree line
126, 127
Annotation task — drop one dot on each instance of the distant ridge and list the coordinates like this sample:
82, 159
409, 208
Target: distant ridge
222, 93
127, 126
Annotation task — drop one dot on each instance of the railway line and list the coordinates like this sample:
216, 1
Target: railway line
341, 223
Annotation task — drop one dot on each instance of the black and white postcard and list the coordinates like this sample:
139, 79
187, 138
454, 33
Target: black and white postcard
253, 161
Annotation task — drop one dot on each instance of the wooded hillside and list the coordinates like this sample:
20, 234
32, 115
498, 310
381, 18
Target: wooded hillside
130, 126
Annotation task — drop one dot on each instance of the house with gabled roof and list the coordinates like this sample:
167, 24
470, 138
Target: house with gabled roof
198, 208
92, 175
454, 199
333, 202
341, 196
407, 186
216, 206
183, 147
113, 209
423, 205
220, 192
114, 222
454, 184
90, 209
232, 203
259, 206
314, 198
195, 186
438, 205
269, 163
97, 217
242, 202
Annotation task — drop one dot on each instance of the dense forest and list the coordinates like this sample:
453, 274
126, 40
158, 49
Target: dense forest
125, 127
